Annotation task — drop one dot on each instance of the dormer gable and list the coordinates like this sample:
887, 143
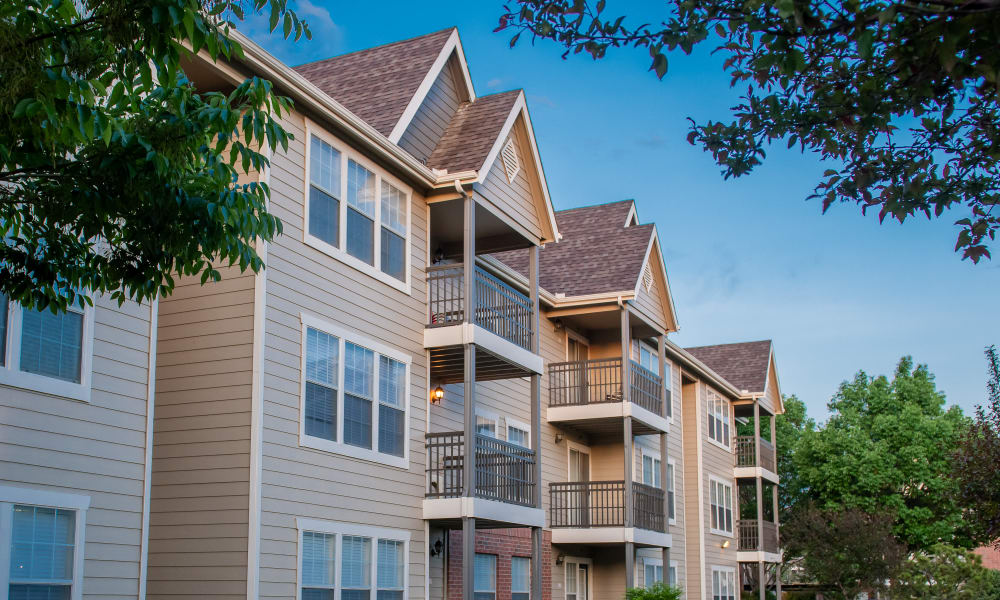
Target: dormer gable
652, 290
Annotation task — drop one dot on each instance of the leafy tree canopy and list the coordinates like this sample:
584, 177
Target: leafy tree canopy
115, 172
901, 98
887, 447
945, 573
789, 427
977, 460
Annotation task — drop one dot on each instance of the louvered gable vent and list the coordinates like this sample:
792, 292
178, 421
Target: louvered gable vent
511, 164
647, 277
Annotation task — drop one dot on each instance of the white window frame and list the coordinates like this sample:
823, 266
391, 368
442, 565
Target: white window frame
496, 574
713, 480
640, 476
528, 591
711, 399
12, 375
590, 574
570, 445
489, 416
517, 425
730, 574
579, 339
675, 567
339, 252
668, 371
648, 561
304, 524
672, 489
339, 446
78, 503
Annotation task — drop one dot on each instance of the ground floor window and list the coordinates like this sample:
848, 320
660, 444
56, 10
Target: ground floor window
354, 559
723, 583
485, 579
520, 578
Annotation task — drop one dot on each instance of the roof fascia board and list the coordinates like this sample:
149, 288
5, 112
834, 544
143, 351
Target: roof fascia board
283, 76
453, 44
772, 364
521, 108
631, 215
702, 369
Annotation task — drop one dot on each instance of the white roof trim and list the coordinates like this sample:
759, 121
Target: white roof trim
655, 239
521, 108
454, 44
631, 215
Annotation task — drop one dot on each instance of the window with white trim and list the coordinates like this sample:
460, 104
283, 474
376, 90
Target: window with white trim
652, 571
520, 578
651, 469
371, 559
487, 423
718, 419
671, 495
672, 575
41, 544
519, 433
723, 583
46, 351
485, 577
354, 395
721, 506
356, 213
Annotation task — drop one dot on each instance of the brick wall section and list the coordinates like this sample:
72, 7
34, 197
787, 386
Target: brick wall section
504, 543
990, 556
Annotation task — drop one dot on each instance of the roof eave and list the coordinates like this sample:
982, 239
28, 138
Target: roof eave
703, 370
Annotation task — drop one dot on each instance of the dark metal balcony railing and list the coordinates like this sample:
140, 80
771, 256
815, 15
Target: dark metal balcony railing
596, 381
749, 537
745, 453
504, 471
585, 504
500, 308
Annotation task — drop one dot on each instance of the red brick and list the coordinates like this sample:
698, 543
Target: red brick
504, 543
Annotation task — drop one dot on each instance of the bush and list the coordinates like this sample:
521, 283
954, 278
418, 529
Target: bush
657, 591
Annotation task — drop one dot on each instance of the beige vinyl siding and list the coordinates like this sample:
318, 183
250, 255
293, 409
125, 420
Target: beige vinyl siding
431, 119
694, 522
770, 401
516, 200
608, 580
303, 482
95, 448
201, 457
717, 462
652, 303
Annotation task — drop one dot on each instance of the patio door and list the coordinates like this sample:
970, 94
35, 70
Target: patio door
578, 351
579, 472
578, 578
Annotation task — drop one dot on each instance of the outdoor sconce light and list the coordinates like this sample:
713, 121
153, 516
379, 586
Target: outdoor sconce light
437, 548
437, 395
560, 560
559, 437
725, 544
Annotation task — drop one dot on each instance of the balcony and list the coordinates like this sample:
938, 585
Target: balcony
587, 396
501, 325
504, 476
593, 512
746, 463
750, 539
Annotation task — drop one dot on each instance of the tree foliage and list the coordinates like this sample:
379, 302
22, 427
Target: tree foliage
887, 447
900, 98
847, 549
944, 573
790, 426
116, 174
976, 463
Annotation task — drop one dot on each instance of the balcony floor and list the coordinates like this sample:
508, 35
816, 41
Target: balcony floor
496, 358
489, 514
610, 536
603, 421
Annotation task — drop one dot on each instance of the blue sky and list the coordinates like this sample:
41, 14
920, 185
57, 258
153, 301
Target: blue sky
748, 258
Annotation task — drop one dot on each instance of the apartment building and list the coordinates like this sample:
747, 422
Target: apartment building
438, 388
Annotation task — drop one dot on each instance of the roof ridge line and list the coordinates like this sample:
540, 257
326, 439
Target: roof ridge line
380, 46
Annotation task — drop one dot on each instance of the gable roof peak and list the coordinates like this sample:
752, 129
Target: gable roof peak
743, 364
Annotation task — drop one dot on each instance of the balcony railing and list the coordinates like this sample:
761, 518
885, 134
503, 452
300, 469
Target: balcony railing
749, 538
504, 471
597, 381
500, 308
745, 453
585, 504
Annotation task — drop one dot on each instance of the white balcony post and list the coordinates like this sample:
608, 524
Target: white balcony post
629, 465
536, 427
664, 483
469, 351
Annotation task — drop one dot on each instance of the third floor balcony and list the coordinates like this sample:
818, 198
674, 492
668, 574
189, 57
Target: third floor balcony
600, 512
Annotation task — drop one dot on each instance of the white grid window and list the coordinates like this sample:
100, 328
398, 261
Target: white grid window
486, 424
341, 561
718, 419
354, 396
520, 578
721, 505
485, 577
671, 497
519, 433
723, 584
651, 470
653, 572
356, 213
42, 553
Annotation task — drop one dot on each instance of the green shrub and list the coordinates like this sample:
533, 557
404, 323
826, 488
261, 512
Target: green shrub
657, 591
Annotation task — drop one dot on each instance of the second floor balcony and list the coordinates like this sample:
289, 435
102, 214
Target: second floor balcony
757, 536
746, 457
501, 323
588, 395
594, 512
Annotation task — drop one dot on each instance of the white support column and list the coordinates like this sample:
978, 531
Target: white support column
469, 351
629, 565
629, 465
664, 398
761, 566
536, 427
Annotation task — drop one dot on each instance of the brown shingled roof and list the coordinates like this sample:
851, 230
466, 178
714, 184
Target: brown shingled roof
472, 132
597, 253
744, 364
377, 84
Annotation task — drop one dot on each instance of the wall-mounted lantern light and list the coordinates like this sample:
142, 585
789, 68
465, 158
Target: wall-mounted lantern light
725, 544
437, 395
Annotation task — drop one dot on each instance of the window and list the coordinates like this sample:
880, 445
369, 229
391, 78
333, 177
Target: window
723, 584
324, 192
721, 505
486, 423
647, 357
653, 571
673, 573
356, 213
370, 558
519, 433
718, 419
485, 577
41, 544
46, 352
650, 470
354, 395
520, 578
671, 496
